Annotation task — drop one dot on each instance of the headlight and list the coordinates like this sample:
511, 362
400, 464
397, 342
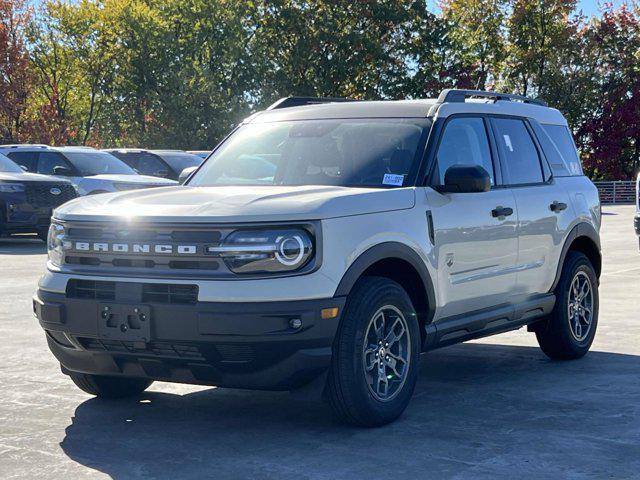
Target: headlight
55, 243
7, 187
265, 251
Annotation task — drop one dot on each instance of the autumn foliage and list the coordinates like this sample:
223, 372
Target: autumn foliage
181, 73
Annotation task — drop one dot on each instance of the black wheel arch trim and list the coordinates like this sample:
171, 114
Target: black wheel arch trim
386, 251
582, 229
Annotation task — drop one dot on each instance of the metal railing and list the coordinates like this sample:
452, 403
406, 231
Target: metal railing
619, 191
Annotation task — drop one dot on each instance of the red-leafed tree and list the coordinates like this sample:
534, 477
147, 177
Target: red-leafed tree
14, 68
611, 137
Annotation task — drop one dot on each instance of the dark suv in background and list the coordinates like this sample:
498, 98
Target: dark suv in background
157, 163
27, 199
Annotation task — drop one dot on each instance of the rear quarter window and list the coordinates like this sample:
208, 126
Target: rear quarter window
563, 141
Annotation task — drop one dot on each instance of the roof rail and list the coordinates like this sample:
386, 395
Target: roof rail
287, 102
454, 95
30, 145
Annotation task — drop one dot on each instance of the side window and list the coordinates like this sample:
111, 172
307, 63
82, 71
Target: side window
25, 159
128, 158
48, 161
563, 140
464, 142
518, 151
149, 164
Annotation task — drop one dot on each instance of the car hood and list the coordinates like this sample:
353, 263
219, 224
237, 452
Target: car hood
136, 179
28, 177
236, 204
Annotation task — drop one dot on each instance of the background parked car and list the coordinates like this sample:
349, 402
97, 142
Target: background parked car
27, 199
91, 171
200, 153
158, 163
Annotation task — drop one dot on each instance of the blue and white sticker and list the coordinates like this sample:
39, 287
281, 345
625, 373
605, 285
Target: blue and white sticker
391, 179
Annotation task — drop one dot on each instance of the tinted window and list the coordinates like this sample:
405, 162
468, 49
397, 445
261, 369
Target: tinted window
48, 161
26, 159
145, 163
95, 162
179, 160
464, 142
561, 137
7, 165
356, 153
518, 151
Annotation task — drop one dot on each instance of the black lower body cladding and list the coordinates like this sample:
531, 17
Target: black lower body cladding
266, 345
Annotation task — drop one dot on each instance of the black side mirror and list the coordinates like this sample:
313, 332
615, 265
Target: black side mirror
62, 171
185, 174
465, 179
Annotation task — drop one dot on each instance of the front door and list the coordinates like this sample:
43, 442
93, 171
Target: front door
474, 234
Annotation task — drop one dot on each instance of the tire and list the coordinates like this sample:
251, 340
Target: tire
560, 338
354, 394
110, 387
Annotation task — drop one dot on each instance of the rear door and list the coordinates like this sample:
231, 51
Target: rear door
544, 210
475, 249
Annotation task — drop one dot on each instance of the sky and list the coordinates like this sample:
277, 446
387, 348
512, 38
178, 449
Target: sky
588, 7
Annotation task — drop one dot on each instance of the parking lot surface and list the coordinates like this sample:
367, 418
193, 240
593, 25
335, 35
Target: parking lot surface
493, 408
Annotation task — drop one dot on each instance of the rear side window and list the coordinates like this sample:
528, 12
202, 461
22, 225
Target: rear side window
561, 137
518, 151
26, 159
464, 142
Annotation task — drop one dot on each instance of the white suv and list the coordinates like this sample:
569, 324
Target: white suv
330, 243
91, 171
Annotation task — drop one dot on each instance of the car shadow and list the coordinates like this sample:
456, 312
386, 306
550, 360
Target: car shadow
479, 411
22, 245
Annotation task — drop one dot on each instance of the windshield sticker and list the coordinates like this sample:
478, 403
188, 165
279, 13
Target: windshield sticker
507, 142
391, 179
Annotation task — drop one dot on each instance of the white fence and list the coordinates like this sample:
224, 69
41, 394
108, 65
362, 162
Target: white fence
620, 191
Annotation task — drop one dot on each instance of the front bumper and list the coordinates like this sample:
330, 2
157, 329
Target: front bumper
240, 345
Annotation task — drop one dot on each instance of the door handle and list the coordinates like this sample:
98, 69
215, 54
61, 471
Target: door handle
557, 207
501, 212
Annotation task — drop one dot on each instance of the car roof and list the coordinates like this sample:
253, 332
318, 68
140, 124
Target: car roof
450, 102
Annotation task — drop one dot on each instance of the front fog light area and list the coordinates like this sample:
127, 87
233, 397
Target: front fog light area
55, 240
265, 251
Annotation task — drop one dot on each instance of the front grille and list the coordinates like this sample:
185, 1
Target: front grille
91, 289
39, 194
138, 249
159, 349
150, 292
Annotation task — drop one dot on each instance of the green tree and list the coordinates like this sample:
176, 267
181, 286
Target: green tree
477, 33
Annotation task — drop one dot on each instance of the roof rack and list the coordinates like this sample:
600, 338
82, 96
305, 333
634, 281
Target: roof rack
454, 95
287, 102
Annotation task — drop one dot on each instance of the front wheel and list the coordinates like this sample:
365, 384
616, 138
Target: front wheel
375, 355
570, 329
110, 387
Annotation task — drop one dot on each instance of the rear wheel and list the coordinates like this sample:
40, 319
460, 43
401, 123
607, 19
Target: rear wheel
110, 387
375, 354
571, 327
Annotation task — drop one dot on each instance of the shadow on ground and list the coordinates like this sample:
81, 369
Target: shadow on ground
479, 411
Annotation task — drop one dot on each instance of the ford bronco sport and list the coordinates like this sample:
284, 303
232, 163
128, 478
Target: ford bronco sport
330, 243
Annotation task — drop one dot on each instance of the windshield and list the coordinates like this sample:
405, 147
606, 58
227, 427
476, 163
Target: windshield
7, 165
179, 161
355, 152
98, 163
